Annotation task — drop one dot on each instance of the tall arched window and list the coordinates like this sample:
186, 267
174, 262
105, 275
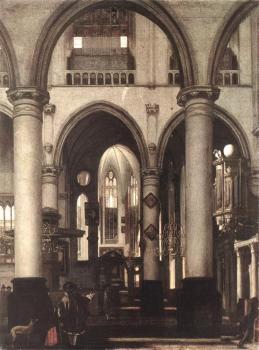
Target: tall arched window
6, 217
111, 208
2, 223
82, 246
13, 216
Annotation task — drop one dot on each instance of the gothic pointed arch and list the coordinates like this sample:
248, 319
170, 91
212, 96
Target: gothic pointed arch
10, 57
223, 36
111, 109
66, 13
5, 109
173, 122
221, 114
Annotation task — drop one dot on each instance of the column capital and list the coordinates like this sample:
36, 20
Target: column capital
51, 170
210, 93
49, 108
154, 172
28, 93
28, 101
253, 248
50, 175
239, 251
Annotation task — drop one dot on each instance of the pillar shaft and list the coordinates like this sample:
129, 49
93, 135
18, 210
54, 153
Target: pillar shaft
239, 274
151, 224
198, 158
50, 187
49, 110
254, 272
198, 297
151, 288
27, 180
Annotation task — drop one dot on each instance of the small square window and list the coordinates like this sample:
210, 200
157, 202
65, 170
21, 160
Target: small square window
78, 42
124, 41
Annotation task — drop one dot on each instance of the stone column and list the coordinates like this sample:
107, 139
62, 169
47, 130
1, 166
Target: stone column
152, 122
28, 283
199, 297
49, 110
50, 187
230, 280
50, 216
254, 272
151, 284
27, 179
239, 254
219, 273
254, 183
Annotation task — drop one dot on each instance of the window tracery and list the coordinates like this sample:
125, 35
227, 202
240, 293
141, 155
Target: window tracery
6, 217
111, 207
82, 251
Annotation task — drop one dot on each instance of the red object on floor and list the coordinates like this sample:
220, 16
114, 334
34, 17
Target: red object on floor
52, 337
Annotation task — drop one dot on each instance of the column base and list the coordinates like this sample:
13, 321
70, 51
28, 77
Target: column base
151, 298
30, 301
199, 308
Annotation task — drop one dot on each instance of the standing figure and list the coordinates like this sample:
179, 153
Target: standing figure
72, 312
110, 302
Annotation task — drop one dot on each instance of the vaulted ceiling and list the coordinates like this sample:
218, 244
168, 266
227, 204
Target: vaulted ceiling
90, 138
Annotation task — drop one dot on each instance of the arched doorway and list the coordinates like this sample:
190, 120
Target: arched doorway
100, 156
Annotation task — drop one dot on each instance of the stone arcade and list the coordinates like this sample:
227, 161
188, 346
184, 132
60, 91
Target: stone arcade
130, 155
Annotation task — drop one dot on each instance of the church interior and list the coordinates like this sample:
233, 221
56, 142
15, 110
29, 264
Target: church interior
129, 158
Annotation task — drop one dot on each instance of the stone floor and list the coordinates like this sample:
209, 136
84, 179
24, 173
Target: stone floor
131, 331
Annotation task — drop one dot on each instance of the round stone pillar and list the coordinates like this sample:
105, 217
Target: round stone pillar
28, 284
240, 269
152, 296
254, 272
50, 187
151, 224
198, 103
27, 125
49, 111
199, 303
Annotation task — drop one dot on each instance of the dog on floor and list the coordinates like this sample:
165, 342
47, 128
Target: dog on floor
22, 330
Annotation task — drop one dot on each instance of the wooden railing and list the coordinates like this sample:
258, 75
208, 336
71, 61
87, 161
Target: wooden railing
100, 51
91, 77
228, 77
